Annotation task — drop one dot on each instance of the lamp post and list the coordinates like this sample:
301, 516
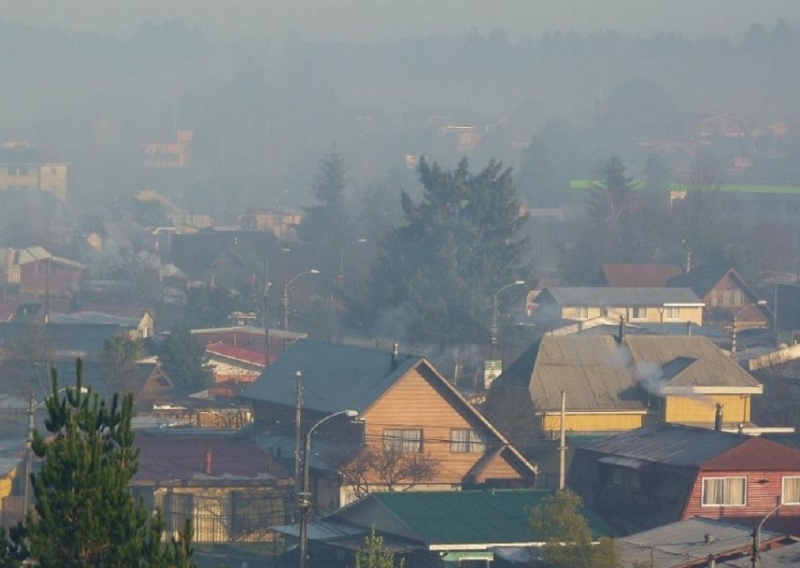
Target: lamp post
286, 288
735, 323
340, 275
305, 496
494, 328
756, 558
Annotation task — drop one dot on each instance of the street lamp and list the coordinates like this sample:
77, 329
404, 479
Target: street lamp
756, 558
305, 496
494, 314
735, 326
286, 287
340, 275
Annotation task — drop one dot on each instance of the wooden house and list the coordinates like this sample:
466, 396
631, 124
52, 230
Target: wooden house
663, 473
231, 489
37, 273
410, 419
235, 364
726, 295
614, 383
638, 304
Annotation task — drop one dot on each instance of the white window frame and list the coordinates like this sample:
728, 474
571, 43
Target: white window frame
403, 440
638, 312
672, 312
795, 478
724, 504
466, 441
580, 312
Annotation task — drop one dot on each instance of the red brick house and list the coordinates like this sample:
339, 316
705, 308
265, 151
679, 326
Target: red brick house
664, 473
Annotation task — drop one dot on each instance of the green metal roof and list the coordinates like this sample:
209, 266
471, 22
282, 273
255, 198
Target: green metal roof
458, 517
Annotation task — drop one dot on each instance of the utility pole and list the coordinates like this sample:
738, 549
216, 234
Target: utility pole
26, 491
298, 430
562, 448
265, 315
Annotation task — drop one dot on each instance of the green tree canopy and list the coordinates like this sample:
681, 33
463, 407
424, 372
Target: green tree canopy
373, 554
85, 515
567, 536
458, 246
184, 359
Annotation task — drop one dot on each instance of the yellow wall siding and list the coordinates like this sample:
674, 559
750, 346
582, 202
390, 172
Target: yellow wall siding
415, 403
597, 422
702, 408
653, 315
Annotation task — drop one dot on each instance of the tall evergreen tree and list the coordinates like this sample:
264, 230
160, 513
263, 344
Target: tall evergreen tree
373, 554
326, 224
184, 359
85, 515
457, 247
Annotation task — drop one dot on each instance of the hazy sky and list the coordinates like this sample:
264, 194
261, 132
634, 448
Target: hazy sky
367, 20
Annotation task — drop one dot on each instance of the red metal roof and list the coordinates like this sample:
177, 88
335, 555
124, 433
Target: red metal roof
756, 454
183, 458
238, 353
639, 275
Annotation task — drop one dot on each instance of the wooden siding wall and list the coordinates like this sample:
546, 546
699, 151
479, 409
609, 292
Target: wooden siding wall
702, 408
763, 494
752, 317
654, 314
597, 422
415, 402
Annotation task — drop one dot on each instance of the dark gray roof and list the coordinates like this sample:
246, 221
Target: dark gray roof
668, 444
675, 544
616, 297
67, 340
335, 376
777, 558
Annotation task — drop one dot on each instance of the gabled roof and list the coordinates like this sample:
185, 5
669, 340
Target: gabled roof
702, 278
759, 453
599, 373
615, 297
335, 376
442, 519
638, 275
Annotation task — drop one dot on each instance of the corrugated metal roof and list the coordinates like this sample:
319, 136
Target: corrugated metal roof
677, 544
454, 517
618, 297
669, 444
776, 558
598, 373
335, 376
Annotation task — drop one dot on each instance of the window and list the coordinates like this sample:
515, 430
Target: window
616, 476
404, 441
639, 313
463, 440
580, 312
672, 313
790, 493
634, 481
724, 491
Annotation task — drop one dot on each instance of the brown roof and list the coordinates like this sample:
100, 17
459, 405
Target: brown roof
757, 453
183, 458
638, 275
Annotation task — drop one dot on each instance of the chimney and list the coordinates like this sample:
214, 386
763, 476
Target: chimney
621, 335
718, 418
209, 460
395, 356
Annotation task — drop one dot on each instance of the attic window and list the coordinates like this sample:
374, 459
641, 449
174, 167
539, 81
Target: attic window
463, 440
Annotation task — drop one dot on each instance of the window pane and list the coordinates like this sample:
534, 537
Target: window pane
402, 440
791, 490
